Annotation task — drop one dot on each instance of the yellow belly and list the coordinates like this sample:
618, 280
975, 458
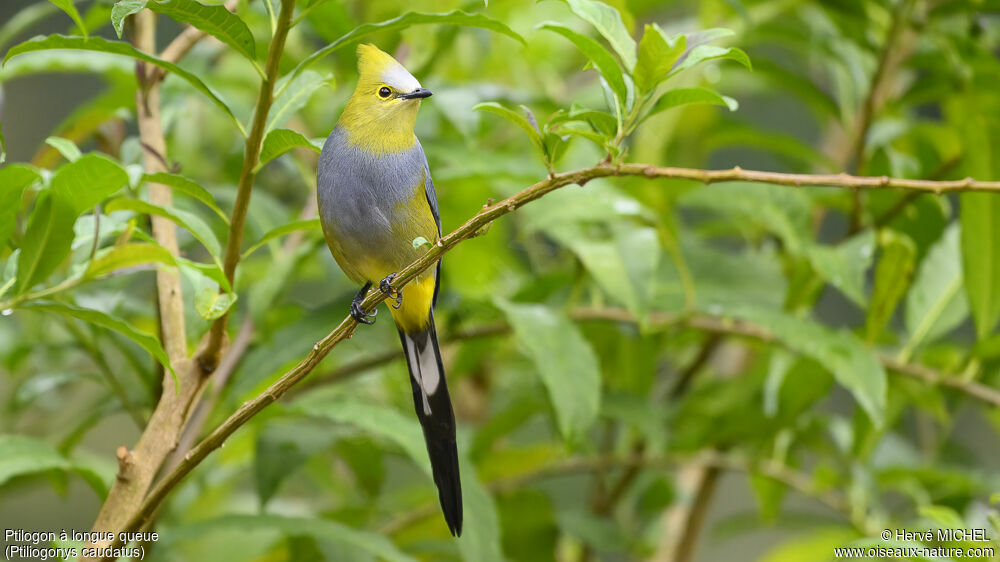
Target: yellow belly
364, 261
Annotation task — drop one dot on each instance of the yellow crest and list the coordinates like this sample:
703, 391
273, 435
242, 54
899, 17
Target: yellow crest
373, 61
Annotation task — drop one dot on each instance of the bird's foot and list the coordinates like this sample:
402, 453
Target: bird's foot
393, 293
359, 313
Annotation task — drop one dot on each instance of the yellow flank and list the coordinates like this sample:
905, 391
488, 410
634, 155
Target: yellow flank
415, 312
366, 116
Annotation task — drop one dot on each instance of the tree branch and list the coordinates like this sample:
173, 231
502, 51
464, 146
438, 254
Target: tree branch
184, 42
209, 359
889, 58
711, 324
138, 467
683, 521
490, 213
733, 462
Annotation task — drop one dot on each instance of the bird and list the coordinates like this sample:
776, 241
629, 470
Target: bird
376, 200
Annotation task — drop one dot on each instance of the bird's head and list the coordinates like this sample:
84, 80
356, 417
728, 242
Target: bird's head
383, 109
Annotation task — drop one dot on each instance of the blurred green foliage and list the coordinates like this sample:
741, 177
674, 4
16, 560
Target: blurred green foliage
624, 349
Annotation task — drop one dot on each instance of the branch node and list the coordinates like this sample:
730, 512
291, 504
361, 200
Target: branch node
737, 170
969, 182
884, 181
649, 171
125, 462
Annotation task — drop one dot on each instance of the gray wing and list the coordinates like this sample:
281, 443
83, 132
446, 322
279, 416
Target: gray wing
432, 201
431, 195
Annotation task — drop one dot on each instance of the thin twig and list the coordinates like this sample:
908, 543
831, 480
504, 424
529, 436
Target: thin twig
733, 462
690, 517
109, 375
209, 359
183, 43
138, 467
888, 59
712, 324
579, 177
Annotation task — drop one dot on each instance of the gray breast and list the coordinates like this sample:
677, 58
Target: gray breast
359, 191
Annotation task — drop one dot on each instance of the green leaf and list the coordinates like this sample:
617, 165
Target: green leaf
456, 17
566, 363
852, 364
84, 183
390, 424
420, 242
600, 120
684, 96
215, 20
704, 53
70, 9
65, 147
98, 44
980, 218
517, 119
280, 141
657, 55
608, 22
624, 263
23, 20
813, 545
481, 534
770, 208
294, 96
481, 530
370, 543
189, 221
603, 60
844, 266
123, 9
282, 448
98, 318
47, 241
212, 271
936, 303
305, 224
21, 455
187, 187
211, 304
112, 259
14, 179
892, 278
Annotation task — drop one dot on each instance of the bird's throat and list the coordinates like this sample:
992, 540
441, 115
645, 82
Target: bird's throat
380, 133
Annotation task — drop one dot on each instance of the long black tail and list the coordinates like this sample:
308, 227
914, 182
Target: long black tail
433, 405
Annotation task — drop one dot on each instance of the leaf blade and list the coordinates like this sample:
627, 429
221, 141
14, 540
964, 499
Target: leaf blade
980, 218
280, 141
98, 44
608, 22
571, 375
603, 60
455, 17
214, 20
146, 341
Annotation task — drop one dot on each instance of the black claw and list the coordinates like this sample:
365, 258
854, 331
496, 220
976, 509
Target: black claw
359, 313
386, 287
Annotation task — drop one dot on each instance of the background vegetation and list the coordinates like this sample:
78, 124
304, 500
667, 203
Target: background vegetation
799, 366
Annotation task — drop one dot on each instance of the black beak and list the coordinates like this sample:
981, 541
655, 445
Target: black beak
417, 94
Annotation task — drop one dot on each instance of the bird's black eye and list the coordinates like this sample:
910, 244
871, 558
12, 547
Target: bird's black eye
384, 92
